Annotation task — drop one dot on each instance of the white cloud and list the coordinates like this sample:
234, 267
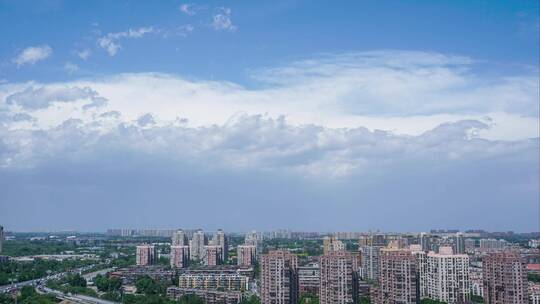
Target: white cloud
403, 92
84, 54
71, 67
41, 98
110, 42
188, 9
33, 54
222, 20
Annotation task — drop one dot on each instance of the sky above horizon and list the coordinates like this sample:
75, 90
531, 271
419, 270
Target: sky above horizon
305, 115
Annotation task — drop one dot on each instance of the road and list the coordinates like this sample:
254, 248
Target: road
81, 299
90, 276
19, 285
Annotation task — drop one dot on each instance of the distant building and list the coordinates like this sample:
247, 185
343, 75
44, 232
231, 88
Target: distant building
220, 239
470, 244
130, 275
279, 278
246, 255
179, 238
492, 244
255, 239
1, 237
505, 278
196, 245
446, 277
339, 279
179, 256
146, 255
459, 243
370, 262
425, 241
213, 254
398, 279
331, 244
309, 278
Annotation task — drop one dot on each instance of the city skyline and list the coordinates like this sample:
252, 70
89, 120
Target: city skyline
310, 116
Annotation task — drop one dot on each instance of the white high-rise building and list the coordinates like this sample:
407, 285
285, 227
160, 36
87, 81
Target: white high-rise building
370, 262
255, 239
196, 245
1, 237
220, 239
179, 238
421, 257
446, 277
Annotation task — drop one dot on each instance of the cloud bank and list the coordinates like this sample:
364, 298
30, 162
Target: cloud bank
375, 140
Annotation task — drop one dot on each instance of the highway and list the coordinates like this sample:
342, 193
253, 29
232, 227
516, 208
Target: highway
35, 282
73, 297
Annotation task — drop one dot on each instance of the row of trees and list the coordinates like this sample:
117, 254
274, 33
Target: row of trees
24, 271
28, 295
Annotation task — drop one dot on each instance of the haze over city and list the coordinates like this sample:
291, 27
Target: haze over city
301, 115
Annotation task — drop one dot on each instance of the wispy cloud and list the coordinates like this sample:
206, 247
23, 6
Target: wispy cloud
110, 42
71, 67
33, 54
188, 9
84, 54
222, 20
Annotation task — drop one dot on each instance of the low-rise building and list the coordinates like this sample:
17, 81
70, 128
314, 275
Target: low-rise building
208, 296
129, 275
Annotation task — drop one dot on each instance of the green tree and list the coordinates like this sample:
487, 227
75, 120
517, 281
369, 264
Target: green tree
76, 280
477, 299
364, 300
251, 300
190, 299
148, 286
533, 277
430, 301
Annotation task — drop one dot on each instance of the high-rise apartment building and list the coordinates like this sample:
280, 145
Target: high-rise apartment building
505, 278
446, 277
398, 279
1, 238
179, 238
179, 256
339, 279
331, 244
370, 262
492, 244
424, 240
470, 244
459, 243
145, 255
196, 245
309, 279
246, 254
212, 256
421, 264
255, 239
279, 278
220, 239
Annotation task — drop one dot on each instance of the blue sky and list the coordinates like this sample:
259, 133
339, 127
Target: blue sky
363, 111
